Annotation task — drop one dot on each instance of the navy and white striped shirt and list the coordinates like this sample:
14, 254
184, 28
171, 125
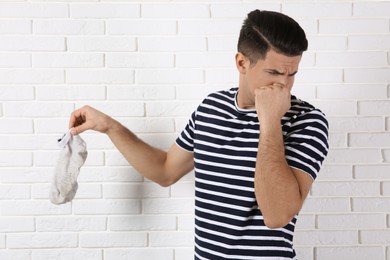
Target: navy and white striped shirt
224, 140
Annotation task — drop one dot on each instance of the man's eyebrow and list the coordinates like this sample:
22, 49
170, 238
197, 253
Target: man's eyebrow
281, 73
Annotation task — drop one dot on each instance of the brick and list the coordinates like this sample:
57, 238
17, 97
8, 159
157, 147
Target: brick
119, 108
323, 9
335, 172
380, 171
68, 27
67, 60
103, 10
71, 223
326, 237
386, 155
14, 192
177, 10
385, 188
304, 252
142, 27
50, 158
222, 43
31, 76
369, 140
366, 75
196, 91
345, 189
239, 10
171, 44
76, 92
32, 43
171, 238
101, 43
361, 156
110, 174
34, 10
150, 125
374, 108
327, 42
168, 206
170, 108
349, 252
210, 27
374, 237
183, 189
371, 205
14, 254
222, 76
307, 75
35, 109
169, 76
306, 221
16, 126
84, 191
377, 9
15, 60
336, 107
67, 254
205, 60
2, 241
50, 125
99, 76
141, 223
140, 60
15, 27
113, 239
134, 191
183, 253
353, 26
106, 207
351, 59
321, 205
145, 92
337, 140
355, 124
27, 142
17, 224
17, 92
352, 91
369, 42
186, 222
32, 208
139, 254
351, 221
42, 240
24, 175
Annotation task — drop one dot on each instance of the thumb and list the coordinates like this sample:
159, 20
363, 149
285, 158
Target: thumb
79, 129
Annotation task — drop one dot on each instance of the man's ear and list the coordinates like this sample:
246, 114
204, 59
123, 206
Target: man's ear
242, 63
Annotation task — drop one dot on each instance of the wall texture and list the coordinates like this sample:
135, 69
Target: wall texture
148, 64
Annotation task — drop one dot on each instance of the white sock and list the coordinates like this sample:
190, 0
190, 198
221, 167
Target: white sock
72, 157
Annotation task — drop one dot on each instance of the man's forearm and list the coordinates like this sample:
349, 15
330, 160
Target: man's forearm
147, 160
276, 187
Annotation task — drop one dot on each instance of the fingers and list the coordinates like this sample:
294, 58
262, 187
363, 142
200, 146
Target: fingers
78, 121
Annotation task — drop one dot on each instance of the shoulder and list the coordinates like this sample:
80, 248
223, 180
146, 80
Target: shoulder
303, 110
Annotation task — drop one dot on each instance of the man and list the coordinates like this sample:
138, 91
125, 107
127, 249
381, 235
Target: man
256, 149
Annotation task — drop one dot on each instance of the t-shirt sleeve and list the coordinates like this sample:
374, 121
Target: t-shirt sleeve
306, 143
186, 138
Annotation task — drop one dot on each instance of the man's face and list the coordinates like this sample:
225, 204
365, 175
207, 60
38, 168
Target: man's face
274, 68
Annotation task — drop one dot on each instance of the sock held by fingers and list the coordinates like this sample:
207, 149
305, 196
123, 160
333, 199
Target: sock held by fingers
72, 156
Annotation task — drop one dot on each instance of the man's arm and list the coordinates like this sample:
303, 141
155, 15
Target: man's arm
164, 168
280, 190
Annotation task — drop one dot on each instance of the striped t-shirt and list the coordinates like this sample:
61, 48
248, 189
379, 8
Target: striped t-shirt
224, 140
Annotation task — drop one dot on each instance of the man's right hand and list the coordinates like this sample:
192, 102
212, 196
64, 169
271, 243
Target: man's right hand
88, 118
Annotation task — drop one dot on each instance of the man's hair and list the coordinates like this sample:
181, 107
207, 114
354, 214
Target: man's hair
265, 30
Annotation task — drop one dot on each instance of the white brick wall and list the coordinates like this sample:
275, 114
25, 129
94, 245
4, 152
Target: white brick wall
149, 64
